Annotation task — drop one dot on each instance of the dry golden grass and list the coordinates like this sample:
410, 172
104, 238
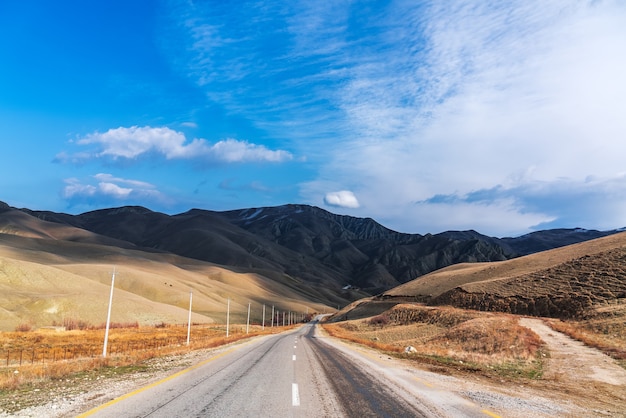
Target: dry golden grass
492, 343
583, 284
605, 331
27, 357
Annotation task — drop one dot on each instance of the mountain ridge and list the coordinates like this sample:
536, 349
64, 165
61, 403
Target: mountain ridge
307, 242
303, 253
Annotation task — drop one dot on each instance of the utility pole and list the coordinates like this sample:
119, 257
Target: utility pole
106, 332
248, 321
263, 323
272, 316
189, 320
227, 316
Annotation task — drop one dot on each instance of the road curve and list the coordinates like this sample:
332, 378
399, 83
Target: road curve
293, 374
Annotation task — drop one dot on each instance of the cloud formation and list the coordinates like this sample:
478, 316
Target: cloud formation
106, 188
523, 98
502, 117
342, 199
135, 142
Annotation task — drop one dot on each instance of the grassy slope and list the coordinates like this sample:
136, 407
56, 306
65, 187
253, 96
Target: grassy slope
45, 280
462, 275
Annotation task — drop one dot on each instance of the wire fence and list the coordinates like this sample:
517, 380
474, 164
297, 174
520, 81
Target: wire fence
50, 353
43, 355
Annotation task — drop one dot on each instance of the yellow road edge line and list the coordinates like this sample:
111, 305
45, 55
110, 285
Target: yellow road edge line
151, 385
491, 414
423, 382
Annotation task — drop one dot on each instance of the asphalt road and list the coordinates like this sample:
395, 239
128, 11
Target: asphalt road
294, 374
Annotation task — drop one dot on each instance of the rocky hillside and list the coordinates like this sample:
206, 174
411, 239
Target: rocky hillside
297, 240
342, 253
575, 281
568, 290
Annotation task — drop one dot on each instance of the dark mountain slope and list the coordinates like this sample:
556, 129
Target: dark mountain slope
367, 254
306, 243
553, 238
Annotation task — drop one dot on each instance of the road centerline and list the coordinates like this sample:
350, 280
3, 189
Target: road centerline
295, 395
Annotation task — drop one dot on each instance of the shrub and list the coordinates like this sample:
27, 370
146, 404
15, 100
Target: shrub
23, 328
379, 320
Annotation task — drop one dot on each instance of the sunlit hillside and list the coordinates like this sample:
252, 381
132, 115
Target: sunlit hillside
483, 277
44, 280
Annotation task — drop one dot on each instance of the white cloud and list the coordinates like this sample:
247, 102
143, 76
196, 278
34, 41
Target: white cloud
500, 89
75, 188
407, 101
501, 216
231, 150
135, 142
106, 188
342, 199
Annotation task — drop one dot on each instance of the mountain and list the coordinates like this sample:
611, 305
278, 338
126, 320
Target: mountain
306, 242
336, 252
291, 255
538, 241
51, 272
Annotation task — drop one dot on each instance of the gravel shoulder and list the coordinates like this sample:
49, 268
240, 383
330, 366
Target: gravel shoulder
79, 393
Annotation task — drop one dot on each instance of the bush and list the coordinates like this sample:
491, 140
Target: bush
73, 324
23, 328
379, 320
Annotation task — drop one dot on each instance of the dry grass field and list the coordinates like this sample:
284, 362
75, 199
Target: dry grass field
445, 336
504, 351
582, 287
35, 356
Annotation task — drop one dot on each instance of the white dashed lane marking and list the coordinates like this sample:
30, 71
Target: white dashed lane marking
295, 396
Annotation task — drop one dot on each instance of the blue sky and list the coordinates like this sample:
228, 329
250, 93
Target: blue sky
503, 117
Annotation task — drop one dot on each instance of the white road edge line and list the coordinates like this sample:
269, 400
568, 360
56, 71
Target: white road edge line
295, 396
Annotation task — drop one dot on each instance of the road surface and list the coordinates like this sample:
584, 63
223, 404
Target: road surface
293, 374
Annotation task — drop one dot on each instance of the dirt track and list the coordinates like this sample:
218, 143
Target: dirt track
572, 360
582, 372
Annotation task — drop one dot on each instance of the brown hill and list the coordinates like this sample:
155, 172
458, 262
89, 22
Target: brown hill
51, 272
15, 222
571, 281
